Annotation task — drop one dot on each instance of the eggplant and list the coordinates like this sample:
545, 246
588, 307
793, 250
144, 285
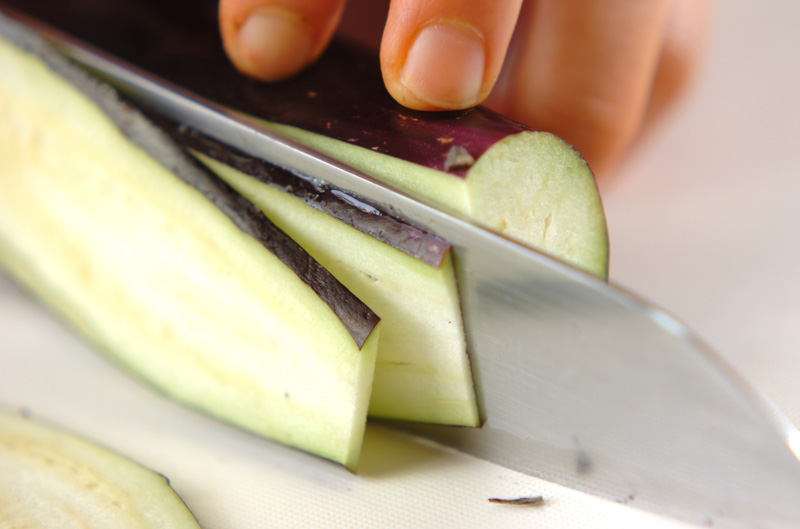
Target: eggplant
422, 371
205, 300
476, 164
365, 218
526, 184
52, 478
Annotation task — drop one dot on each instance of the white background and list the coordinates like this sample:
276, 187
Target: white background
703, 221
705, 218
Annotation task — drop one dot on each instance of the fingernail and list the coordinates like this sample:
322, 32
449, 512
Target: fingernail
445, 66
274, 44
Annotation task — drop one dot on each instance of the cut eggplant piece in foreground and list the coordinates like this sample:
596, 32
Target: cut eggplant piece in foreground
422, 371
50, 478
159, 277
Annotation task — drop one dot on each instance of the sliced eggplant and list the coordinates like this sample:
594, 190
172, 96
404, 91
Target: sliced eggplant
422, 371
50, 479
367, 219
163, 280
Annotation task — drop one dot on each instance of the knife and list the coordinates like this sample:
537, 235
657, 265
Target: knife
579, 382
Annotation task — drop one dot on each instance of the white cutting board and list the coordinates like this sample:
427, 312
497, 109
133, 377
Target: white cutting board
703, 220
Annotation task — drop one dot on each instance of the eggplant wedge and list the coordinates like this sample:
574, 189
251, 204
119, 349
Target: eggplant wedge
422, 371
216, 309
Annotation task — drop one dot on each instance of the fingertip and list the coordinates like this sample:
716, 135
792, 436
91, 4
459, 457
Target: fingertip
272, 44
274, 39
444, 68
445, 55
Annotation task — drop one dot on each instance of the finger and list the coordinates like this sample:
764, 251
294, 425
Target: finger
682, 52
445, 54
584, 70
274, 39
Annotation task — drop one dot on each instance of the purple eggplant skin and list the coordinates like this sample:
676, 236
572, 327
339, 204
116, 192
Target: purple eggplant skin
341, 96
413, 241
356, 316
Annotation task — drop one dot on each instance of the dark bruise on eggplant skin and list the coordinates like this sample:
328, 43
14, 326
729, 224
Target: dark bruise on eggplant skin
341, 96
417, 243
358, 318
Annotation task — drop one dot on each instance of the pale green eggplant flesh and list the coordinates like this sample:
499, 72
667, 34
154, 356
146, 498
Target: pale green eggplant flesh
51, 479
162, 280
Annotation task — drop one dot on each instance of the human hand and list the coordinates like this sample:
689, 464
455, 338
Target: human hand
595, 72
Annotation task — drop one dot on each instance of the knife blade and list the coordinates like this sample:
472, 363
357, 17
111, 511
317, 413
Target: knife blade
579, 382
